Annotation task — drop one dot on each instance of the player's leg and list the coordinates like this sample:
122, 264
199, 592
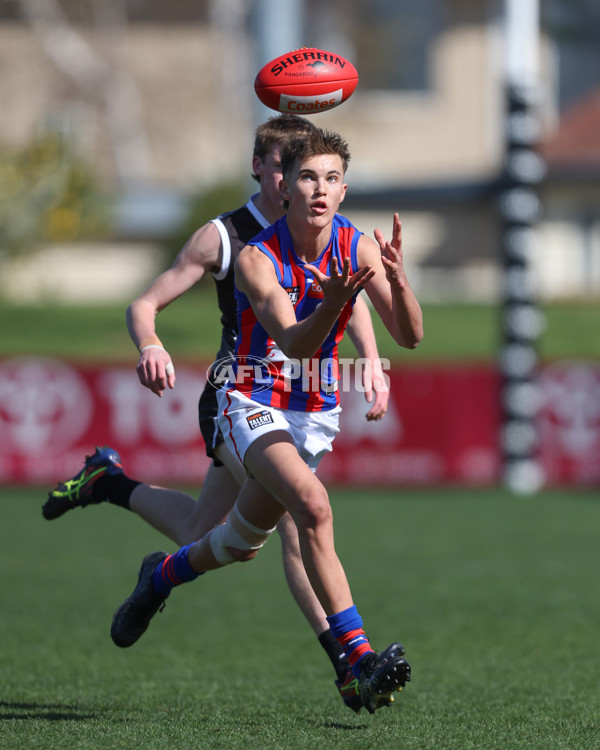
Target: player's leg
218, 494
164, 509
277, 466
296, 577
177, 515
307, 601
283, 481
235, 540
310, 607
180, 517
301, 590
248, 526
231, 462
160, 572
301, 492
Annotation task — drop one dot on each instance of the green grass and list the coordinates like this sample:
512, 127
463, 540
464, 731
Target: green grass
190, 329
495, 597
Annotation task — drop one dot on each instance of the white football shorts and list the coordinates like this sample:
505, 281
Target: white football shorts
243, 420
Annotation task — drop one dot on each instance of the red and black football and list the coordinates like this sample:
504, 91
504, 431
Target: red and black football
306, 81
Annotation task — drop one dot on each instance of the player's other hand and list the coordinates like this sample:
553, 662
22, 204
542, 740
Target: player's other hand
155, 370
376, 388
391, 254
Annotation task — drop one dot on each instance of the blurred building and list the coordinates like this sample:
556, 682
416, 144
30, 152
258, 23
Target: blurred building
159, 98
571, 199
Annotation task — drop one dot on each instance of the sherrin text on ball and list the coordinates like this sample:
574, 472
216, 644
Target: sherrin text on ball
306, 81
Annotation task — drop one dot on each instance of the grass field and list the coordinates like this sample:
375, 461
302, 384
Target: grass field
495, 597
189, 328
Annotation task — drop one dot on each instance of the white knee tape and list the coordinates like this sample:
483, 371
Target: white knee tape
219, 544
238, 533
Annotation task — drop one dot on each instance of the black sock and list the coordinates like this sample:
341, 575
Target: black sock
114, 489
335, 653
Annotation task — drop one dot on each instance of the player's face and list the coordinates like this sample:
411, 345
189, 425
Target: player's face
315, 188
269, 171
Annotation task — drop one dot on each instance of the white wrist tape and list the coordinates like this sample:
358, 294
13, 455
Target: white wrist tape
169, 367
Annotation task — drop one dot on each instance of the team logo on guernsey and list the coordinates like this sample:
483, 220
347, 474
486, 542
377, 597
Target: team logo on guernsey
293, 293
259, 420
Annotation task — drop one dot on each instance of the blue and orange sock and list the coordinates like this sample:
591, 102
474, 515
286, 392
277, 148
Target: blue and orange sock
347, 627
173, 571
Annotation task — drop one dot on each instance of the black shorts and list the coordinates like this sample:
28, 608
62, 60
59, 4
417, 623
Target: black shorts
208, 410
209, 425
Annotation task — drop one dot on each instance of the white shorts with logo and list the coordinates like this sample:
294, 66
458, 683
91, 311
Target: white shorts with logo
243, 420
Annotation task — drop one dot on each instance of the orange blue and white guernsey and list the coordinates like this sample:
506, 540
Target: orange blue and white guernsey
311, 385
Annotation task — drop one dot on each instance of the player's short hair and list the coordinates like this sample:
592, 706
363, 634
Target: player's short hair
316, 142
278, 131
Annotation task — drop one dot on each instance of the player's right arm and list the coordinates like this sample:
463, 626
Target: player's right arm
255, 276
201, 254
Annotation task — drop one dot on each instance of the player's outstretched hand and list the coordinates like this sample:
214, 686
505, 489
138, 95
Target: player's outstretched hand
376, 388
391, 254
155, 370
340, 287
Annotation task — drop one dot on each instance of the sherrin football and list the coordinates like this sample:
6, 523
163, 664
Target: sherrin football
306, 81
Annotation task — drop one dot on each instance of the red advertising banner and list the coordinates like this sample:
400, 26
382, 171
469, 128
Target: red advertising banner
442, 426
570, 422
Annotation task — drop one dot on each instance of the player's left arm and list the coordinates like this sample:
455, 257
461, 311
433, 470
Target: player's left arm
375, 381
389, 290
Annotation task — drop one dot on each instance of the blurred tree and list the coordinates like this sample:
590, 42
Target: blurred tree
48, 195
99, 74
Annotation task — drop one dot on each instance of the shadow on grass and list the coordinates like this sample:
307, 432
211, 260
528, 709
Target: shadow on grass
47, 711
339, 725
